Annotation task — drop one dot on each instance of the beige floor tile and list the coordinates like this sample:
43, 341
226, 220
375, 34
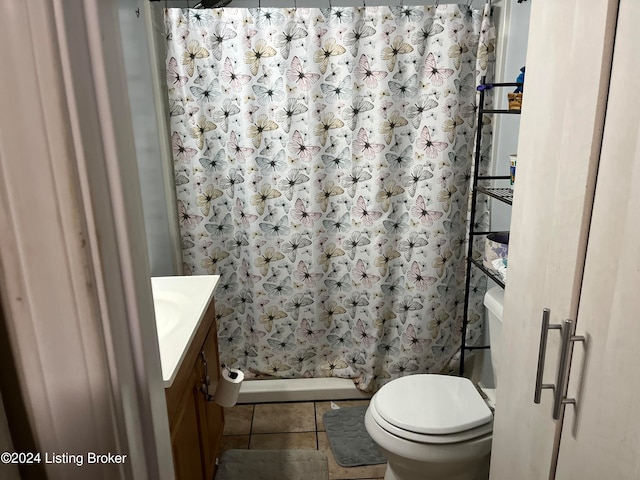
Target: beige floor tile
323, 407
337, 472
283, 418
283, 441
230, 442
237, 420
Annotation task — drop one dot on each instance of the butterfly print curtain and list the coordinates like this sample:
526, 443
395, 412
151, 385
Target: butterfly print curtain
322, 164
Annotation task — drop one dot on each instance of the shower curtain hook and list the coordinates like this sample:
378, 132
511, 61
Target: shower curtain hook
295, 5
437, 3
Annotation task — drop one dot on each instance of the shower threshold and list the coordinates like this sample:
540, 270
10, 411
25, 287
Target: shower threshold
299, 390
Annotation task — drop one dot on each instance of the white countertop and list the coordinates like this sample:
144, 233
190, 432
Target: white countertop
180, 304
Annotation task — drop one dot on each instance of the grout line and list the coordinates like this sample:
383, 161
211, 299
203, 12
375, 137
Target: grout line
315, 421
253, 413
315, 415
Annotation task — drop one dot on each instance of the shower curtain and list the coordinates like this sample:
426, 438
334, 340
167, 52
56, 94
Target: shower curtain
322, 164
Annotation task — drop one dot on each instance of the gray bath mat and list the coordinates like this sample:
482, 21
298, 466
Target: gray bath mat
273, 465
350, 443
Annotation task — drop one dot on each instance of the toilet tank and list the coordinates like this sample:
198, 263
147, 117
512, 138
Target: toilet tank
494, 302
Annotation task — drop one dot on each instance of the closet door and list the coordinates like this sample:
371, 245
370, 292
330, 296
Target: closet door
567, 77
601, 434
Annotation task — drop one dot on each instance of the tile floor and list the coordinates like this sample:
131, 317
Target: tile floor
273, 426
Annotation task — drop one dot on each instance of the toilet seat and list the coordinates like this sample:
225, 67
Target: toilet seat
432, 409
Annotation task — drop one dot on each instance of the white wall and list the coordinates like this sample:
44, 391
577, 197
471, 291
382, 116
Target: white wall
512, 23
511, 56
145, 79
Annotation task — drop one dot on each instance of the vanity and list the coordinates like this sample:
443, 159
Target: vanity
187, 336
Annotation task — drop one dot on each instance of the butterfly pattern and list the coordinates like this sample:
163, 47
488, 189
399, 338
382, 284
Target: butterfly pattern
322, 161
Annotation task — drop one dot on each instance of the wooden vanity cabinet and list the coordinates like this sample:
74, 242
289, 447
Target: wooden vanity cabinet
196, 424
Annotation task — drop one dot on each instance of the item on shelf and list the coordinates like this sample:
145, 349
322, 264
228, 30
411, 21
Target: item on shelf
515, 98
512, 167
515, 101
496, 246
520, 79
500, 266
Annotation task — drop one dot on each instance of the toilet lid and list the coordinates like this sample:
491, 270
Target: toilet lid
432, 404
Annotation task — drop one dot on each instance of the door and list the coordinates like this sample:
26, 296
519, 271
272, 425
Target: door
185, 442
210, 414
601, 434
566, 84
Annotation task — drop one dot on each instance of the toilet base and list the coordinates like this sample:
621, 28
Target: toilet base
408, 460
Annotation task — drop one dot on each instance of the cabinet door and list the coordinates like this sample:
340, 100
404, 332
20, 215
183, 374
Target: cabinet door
184, 438
601, 434
210, 414
568, 62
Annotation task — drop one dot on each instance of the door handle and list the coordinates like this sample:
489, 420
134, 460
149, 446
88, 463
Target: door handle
568, 338
206, 381
542, 351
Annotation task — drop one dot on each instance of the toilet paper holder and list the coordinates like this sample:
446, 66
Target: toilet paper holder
206, 381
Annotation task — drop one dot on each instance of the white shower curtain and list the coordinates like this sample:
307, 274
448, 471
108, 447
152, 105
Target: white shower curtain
322, 161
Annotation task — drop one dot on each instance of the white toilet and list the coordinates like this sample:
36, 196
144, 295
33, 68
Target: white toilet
436, 427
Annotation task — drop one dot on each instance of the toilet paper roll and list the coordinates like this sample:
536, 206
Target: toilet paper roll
228, 387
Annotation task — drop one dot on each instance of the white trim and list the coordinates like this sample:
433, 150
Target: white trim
298, 390
74, 270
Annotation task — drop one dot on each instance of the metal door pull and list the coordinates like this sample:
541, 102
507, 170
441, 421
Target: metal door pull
568, 337
542, 351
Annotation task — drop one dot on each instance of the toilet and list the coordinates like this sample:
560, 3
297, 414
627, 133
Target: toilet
437, 427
